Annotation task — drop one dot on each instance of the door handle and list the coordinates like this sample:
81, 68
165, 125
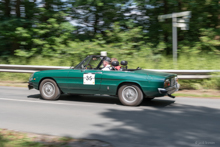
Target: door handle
98, 72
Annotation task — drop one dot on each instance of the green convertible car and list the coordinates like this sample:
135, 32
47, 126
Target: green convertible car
130, 85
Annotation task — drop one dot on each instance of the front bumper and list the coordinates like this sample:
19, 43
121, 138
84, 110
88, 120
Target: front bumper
169, 90
30, 85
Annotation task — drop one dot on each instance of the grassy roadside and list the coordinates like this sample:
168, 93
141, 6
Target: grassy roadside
9, 138
185, 61
14, 77
13, 84
202, 93
196, 95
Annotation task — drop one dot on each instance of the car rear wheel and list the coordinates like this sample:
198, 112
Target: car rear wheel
130, 95
49, 90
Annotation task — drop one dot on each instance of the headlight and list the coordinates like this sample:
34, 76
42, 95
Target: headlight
166, 83
31, 77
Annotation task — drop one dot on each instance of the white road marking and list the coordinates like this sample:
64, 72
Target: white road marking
121, 107
35, 101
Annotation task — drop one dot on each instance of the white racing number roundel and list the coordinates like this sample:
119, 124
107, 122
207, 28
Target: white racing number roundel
88, 79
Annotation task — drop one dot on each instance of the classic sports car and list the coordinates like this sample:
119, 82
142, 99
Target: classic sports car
130, 85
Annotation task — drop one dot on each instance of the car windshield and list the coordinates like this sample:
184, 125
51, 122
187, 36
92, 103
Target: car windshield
94, 62
91, 62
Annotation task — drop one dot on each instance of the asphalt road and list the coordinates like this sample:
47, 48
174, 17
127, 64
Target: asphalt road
163, 122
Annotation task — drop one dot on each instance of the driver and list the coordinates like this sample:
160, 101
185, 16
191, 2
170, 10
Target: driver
106, 64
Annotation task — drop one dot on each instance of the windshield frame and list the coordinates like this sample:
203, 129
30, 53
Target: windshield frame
79, 66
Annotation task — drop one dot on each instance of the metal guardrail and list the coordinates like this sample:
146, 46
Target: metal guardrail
182, 74
187, 72
31, 67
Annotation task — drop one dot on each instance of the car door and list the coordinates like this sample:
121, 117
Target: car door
92, 79
111, 80
84, 79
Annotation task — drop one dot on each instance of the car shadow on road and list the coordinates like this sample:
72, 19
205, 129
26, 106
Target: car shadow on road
156, 123
37, 96
106, 100
173, 126
83, 98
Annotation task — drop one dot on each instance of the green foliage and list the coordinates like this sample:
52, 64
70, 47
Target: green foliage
203, 26
96, 16
48, 39
196, 95
15, 77
10, 138
214, 83
209, 42
120, 27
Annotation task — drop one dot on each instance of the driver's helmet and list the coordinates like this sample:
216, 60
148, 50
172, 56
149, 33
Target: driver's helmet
115, 63
107, 59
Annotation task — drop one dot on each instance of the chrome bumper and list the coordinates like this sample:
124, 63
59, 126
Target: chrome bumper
169, 90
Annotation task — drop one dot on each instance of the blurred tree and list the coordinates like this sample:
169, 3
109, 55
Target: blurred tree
50, 8
95, 16
25, 14
48, 39
24, 26
205, 14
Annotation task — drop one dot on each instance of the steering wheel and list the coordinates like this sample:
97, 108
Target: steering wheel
90, 66
113, 68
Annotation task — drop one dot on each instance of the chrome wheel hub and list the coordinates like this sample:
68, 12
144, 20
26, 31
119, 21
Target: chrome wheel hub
48, 89
129, 94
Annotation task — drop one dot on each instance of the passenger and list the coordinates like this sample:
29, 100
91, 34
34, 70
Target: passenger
116, 67
106, 64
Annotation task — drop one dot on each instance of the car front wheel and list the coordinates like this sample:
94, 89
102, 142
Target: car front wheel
49, 90
130, 95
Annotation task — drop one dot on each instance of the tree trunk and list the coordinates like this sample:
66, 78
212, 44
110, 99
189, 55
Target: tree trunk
18, 12
7, 8
219, 16
96, 23
166, 34
15, 46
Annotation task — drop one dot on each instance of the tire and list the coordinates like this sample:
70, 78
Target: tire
49, 90
130, 95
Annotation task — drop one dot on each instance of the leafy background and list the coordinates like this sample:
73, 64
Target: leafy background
41, 32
